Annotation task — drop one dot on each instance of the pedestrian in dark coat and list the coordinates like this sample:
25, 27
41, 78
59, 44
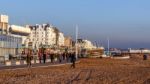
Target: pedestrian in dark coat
67, 56
63, 54
60, 57
44, 58
144, 57
52, 57
28, 59
40, 56
73, 59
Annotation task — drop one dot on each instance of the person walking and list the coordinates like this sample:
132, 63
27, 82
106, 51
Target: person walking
44, 57
63, 55
67, 56
28, 59
73, 59
40, 56
144, 57
52, 57
60, 57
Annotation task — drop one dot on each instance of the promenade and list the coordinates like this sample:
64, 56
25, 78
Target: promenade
21, 64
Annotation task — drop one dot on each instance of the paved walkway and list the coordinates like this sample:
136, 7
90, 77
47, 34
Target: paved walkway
34, 65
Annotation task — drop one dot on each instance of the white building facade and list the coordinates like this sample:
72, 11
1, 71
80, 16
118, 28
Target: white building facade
86, 44
44, 35
11, 37
61, 39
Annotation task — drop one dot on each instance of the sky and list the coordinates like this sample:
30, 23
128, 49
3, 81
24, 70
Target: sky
125, 22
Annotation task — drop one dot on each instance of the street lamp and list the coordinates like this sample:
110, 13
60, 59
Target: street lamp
76, 42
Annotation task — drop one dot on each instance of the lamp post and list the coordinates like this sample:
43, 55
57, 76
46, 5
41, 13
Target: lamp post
76, 42
108, 46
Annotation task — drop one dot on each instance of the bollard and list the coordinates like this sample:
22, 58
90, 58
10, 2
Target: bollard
8, 63
32, 61
55, 59
48, 60
25, 62
37, 61
17, 62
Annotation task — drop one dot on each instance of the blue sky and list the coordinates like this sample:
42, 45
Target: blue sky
125, 22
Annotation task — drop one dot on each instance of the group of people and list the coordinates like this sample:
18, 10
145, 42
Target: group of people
60, 56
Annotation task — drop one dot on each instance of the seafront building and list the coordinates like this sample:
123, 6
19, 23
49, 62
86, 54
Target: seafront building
4, 24
16, 40
45, 35
11, 37
138, 51
86, 44
87, 49
61, 40
68, 42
